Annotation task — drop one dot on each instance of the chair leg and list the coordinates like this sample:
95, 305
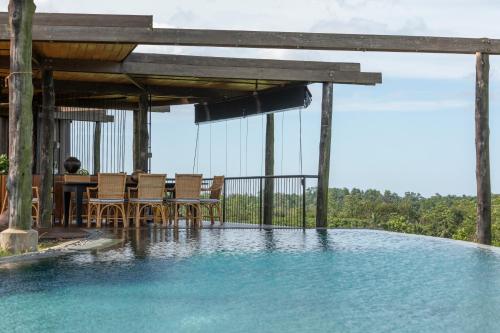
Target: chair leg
176, 215
163, 213
211, 213
219, 212
137, 215
115, 224
198, 215
125, 216
169, 212
99, 216
89, 215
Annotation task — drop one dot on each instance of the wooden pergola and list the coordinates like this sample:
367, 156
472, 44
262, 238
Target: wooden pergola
96, 73
91, 57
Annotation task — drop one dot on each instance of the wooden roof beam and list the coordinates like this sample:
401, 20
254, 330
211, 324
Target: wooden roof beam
250, 73
82, 88
222, 68
262, 39
87, 20
90, 115
241, 62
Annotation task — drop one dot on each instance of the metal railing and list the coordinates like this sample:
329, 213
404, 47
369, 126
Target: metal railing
244, 200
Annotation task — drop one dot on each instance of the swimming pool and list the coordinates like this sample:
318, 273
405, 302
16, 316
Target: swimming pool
258, 281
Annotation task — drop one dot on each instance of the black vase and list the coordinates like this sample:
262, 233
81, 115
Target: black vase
72, 165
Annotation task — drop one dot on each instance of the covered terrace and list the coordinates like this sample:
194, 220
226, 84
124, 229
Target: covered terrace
80, 79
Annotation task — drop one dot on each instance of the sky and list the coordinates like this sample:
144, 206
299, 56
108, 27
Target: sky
414, 132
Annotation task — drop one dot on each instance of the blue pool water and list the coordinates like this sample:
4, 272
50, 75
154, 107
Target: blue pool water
258, 281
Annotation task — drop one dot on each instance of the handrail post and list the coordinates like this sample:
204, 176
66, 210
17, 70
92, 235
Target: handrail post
303, 181
224, 201
260, 200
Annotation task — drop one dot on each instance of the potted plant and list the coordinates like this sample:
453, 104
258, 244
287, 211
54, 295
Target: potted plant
4, 164
72, 165
83, 172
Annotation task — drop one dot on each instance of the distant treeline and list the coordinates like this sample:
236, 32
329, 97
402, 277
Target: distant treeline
441, 216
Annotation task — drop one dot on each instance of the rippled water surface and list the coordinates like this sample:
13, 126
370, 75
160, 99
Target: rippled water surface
258, 281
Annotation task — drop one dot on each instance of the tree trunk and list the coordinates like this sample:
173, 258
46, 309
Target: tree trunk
20, 114
324, 156
97, 147
482, 149
19, 237
141, 135
269, 170
47, 147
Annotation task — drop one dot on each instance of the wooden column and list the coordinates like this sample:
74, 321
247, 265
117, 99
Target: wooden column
97, 147
325, 141
483, 226
63, 137
141, 135
46, 137
4, 135
19, 237
35, 139
269, 171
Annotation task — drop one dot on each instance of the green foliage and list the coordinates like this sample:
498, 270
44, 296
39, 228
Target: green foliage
4, 253
4, 164
83, 172
440, 216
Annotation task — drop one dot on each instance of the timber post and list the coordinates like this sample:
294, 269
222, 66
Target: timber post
97, 147
483, 225
325, 142
269, 171
141, 135
4, 135
46, 130
19, 237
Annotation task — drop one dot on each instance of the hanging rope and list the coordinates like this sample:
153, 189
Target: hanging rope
210, 152
300, 139
246, 151
240, 147
226, 149
7, 78
262, 146
282, 139
196, 146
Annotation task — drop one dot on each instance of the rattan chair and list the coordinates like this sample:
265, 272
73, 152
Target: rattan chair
35, 205
213, 201
110, 197
187, 195
149, 193
72, 203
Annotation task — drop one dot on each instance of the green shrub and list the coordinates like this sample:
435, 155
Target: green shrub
83, 172
4, 164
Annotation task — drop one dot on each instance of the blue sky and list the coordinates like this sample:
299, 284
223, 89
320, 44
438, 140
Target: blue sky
415, 132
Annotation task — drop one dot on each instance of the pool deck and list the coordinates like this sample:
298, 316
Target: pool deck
74, 232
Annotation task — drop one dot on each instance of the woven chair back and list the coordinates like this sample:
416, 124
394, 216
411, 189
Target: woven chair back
5, 204
111, 185
76, 179
187, 186
216, 188
150, 186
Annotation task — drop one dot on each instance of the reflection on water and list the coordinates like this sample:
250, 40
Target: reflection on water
186, 280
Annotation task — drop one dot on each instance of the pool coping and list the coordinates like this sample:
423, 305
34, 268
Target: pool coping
61, 249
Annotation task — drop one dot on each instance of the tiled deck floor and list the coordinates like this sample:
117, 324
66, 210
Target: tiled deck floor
72, 232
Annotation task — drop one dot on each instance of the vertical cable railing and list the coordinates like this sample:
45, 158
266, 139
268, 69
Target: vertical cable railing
243, 200
112, 137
